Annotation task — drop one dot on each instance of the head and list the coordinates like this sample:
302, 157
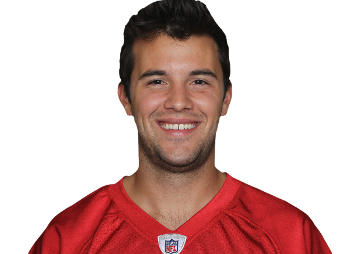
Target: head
179, 19
175, 70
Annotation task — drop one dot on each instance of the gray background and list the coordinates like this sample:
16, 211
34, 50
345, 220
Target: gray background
278, 133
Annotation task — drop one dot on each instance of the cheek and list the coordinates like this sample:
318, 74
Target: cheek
146, 103
210, 105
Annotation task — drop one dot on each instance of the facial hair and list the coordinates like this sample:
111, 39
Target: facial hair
181, 161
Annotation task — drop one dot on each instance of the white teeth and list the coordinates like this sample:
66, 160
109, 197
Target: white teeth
181, 126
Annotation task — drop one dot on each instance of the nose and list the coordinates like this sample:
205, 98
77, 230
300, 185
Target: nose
178, 98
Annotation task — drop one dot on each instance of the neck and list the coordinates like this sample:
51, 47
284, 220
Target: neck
173, 198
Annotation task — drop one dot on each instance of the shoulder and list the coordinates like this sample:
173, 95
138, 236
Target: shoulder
267, 211
90, 206
258, 205
73, 227
287, 226
262, 204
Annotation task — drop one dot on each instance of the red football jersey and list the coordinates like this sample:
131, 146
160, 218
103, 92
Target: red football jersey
239, 219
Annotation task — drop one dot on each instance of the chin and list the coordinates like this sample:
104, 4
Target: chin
179, 164
180, 159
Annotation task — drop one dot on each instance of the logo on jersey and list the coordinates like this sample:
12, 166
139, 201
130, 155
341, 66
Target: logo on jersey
171, 243
171, 246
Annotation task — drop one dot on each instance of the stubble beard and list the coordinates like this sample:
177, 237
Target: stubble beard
181, 161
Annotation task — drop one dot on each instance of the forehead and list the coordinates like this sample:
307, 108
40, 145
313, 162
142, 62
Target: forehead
164, 52
162, 41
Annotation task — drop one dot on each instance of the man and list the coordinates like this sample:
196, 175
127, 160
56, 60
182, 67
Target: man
174, 71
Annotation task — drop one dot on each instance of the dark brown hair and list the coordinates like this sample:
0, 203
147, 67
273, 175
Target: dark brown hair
176, 18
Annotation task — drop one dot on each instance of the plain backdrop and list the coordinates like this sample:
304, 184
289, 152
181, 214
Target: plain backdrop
64, 133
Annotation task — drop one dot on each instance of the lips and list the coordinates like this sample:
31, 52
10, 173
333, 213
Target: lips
169, 126
178, 125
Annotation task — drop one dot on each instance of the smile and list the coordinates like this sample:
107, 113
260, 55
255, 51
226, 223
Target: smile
169, 126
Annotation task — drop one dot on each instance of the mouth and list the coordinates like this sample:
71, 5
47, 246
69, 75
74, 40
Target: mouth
181, 126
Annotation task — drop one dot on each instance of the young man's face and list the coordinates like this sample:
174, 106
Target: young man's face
177, 96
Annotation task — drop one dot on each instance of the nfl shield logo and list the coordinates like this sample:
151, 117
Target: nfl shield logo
171, 243
171, 246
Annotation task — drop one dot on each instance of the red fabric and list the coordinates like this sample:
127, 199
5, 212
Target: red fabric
240, 219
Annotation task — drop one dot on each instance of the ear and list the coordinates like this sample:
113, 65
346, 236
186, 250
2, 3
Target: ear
123, 99
227, 100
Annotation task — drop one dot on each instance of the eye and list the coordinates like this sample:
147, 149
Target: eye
156, 82
200, 82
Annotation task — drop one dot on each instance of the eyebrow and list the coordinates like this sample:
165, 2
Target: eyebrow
204, 72
153, 73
